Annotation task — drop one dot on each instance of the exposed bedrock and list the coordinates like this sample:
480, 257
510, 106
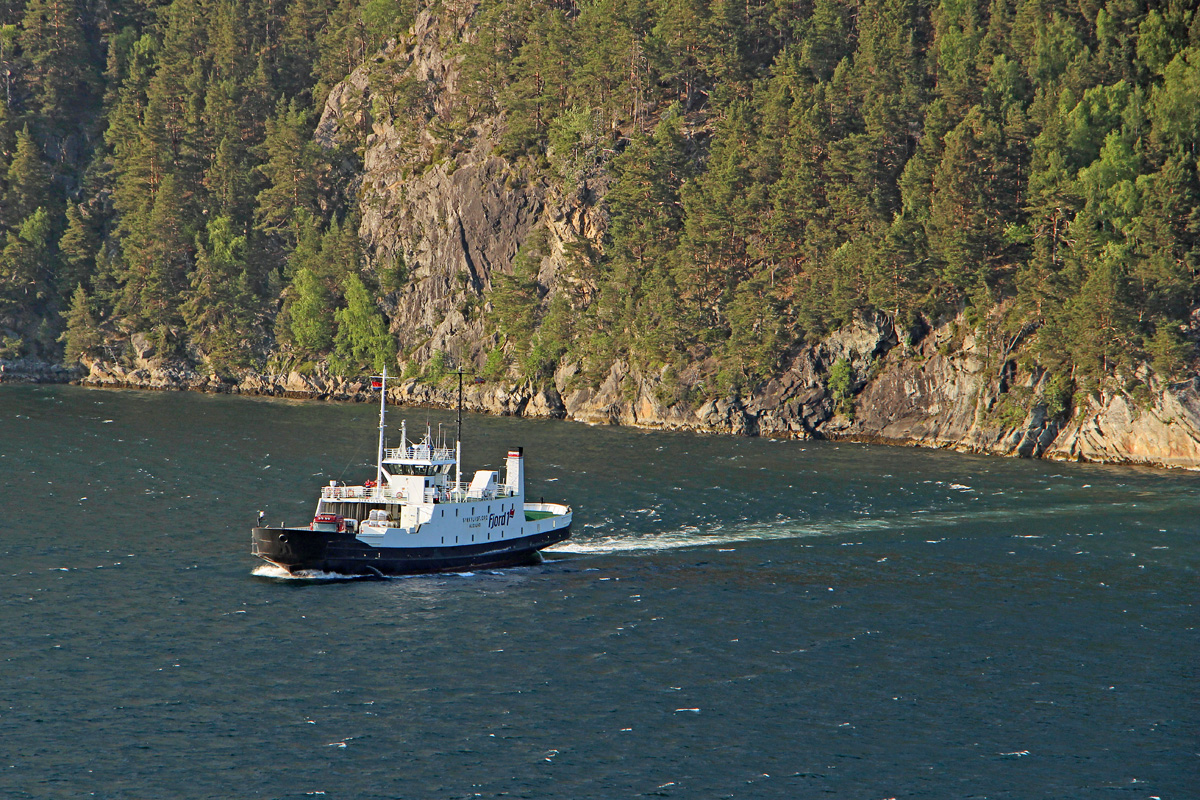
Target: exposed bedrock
921, 394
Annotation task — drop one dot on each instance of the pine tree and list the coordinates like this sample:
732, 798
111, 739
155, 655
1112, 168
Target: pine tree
516, 298
53, 42
964, 227
310, 313
362, 339
217, 309
77, 249
156, 258
82, 336
27, 181
27, 262
289, 168
1099, 322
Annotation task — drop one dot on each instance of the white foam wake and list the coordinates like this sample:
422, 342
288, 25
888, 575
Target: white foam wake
279, 573
694, 537
691, 536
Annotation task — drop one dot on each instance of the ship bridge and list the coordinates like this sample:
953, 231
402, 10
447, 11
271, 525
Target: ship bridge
423, 458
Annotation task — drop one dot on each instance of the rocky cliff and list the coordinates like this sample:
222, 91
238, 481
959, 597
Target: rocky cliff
436, 200
939, 391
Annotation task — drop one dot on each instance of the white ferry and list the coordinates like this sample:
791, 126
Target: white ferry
412, 518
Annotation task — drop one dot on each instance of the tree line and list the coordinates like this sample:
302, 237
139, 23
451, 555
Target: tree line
771, 168
783, 165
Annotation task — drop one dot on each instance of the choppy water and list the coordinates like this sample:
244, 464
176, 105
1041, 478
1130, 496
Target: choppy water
732, 618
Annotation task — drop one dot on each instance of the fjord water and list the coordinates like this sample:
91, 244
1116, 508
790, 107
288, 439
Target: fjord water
732, 618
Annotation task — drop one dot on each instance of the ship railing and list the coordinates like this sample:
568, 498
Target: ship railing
461, 493
420, 453
376, 493
452, 493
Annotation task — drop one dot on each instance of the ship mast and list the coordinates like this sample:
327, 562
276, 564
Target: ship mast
382, 414
458, 437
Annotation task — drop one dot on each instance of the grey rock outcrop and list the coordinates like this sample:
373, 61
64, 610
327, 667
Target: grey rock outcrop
437, 201
1115, 429
929, 396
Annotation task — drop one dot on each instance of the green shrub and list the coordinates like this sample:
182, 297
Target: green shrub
841, 384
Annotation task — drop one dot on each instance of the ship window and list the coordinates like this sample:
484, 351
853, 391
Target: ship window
418, 469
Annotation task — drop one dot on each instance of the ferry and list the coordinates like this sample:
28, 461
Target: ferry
413, 519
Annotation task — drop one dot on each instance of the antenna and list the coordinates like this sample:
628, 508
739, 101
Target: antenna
380, 382
458, 435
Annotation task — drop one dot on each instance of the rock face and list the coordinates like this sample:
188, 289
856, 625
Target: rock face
938, 392
1114, 429
31, 370
436, 200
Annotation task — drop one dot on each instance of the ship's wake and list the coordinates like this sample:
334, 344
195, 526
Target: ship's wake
691, 536
717, 535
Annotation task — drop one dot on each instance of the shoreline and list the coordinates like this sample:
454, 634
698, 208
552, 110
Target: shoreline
1111, 430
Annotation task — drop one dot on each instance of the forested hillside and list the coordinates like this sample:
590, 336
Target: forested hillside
765, 170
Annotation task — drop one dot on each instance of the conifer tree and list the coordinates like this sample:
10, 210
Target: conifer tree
27, 262
217, 310
310, 313
156, 258
362, 340
53, 42
289, 168
27, 181
82, 336
77, 250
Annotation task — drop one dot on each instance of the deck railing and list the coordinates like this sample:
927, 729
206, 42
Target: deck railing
420, 453
451, 493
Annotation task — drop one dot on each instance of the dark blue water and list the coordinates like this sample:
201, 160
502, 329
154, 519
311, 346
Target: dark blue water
733, 618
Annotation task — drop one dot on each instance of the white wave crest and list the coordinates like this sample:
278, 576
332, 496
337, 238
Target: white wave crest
279, 573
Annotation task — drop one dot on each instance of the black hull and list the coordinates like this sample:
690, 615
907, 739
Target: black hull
303, 550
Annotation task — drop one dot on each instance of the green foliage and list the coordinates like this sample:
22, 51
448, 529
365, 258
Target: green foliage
841, 386
27, 181
495, 366
841, 379
516, 298
362, 340
1169, 352
1058, 395
575, 143
82, 336
289, 170
310, 313
766, 172
12, 347
393, 274
219, 305
27, 261
1009, 410
436, 369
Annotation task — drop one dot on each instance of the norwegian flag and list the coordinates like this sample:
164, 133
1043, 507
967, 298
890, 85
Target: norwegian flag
376, 382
